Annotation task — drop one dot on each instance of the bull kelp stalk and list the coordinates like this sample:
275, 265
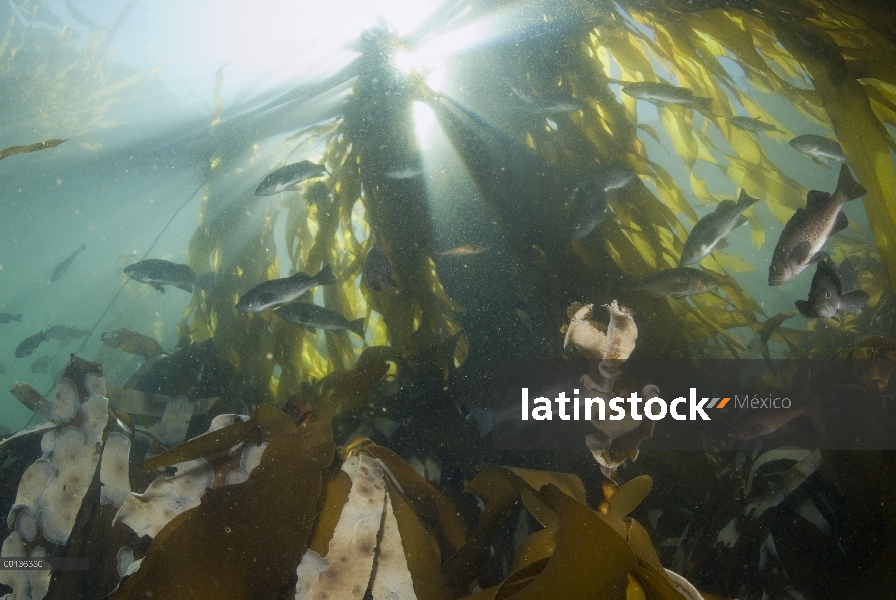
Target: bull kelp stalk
246, 342
376, 135
379, 124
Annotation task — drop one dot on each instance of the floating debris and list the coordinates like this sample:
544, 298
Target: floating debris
7, 152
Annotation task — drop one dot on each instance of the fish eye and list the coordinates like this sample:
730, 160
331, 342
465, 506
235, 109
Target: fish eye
772, 269
576, 225
827, 294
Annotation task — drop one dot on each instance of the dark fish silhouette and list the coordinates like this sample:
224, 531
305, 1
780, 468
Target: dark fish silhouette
751, 124
7, 317
709, 232
663, 93
132, 342
61, 332
826, 296
62, 269
809, 228
820, 149
44, 364
678, 282
284, 178
313, 317
759, 422
553, 104
317, 193
158, 273
465, 250
590, 199
30, 344
275, 292
377, 269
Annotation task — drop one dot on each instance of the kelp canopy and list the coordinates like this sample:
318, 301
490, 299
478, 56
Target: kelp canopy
825, 58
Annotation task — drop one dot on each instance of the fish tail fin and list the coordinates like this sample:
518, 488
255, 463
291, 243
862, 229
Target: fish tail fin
805, 309
848, 186
745, 201
357, 326
325, 276
17, 318
704, 103
853, 302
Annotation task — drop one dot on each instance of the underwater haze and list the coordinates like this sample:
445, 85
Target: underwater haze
262, 265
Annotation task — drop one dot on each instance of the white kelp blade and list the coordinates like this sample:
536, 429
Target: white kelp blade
392, 579
172, 427
788, 482
350, 557
115, 483
794, 454
165, 498
307, 572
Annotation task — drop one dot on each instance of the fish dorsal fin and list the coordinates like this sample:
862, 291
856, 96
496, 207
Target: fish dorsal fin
745, 200
840, 223
847, 274
827, 267
816, 198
